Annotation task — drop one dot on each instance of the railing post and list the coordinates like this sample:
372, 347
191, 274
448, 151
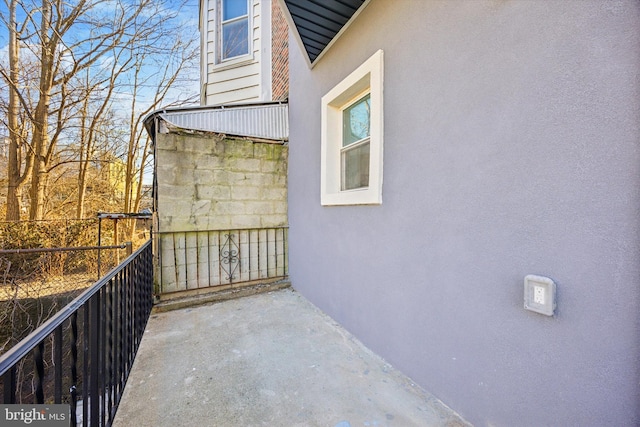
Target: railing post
58, 341
9, 383
38, 361
108, 375
74, 368
99, 244
115, 238
94, 360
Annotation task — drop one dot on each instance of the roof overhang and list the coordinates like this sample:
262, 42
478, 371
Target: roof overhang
317, 24
267, 121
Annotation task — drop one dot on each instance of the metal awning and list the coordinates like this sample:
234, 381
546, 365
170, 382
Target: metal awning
264, 121
317, 23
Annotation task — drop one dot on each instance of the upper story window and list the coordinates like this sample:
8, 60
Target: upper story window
352, 137
234, 28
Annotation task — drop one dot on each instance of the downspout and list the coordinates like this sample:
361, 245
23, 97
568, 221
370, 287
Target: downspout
155, 224
204, 31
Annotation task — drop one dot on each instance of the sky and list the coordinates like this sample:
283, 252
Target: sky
188, 21
187, 15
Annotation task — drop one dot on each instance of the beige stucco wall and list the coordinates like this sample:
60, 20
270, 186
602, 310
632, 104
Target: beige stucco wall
207, 182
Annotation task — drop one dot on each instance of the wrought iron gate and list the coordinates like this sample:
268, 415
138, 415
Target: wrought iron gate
203, 259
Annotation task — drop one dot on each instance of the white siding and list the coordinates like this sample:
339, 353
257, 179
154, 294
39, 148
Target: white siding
240, 81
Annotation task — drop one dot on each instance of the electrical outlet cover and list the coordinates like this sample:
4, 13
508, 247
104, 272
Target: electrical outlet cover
539, 294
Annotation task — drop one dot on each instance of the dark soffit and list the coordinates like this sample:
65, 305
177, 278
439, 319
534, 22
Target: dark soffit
319, 21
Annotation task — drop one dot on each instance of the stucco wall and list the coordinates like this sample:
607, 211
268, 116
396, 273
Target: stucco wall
206, 182
511, 147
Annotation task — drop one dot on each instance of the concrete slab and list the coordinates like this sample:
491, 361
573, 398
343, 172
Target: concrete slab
269, 359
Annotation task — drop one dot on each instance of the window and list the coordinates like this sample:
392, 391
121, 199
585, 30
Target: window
352, 136
356, 136
234, 29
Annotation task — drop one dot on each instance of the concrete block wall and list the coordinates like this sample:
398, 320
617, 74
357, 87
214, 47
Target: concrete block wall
209, 182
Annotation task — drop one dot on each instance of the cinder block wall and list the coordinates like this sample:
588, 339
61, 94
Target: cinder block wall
207, 182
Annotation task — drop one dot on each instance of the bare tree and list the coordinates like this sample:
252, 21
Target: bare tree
17, 128
169, 69
69, 41
92, 121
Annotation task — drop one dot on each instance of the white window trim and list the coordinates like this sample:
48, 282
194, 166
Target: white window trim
235, 61
367, 78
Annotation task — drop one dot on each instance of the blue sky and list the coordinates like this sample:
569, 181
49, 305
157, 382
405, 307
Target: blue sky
188, 16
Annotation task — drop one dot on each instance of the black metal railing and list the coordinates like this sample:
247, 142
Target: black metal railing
209, 258
82, 356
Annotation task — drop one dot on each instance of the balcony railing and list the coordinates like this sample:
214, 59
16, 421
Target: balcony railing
82, 356
213, 258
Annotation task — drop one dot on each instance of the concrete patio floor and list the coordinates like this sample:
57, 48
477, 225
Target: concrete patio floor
269, 359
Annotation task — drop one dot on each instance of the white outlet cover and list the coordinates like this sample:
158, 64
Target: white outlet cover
539, 294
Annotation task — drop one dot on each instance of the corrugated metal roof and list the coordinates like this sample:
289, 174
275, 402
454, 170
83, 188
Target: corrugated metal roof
319, 21
264, 121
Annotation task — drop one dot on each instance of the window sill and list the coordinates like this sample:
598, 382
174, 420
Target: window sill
234, 62
359, 196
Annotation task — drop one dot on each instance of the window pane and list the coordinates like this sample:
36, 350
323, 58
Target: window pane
233, 8
235, 39
355, 167
356, 121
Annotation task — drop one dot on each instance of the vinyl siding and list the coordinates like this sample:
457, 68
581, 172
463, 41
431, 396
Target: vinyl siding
233, 81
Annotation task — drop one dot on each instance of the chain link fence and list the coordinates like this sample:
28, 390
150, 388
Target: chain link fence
45, 264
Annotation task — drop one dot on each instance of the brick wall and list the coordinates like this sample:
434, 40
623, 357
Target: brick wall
208, 182
279, 54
